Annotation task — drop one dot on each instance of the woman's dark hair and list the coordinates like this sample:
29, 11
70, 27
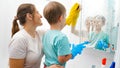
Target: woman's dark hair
23, 9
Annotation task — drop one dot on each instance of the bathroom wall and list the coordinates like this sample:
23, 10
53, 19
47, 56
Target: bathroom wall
117, 53
117, 21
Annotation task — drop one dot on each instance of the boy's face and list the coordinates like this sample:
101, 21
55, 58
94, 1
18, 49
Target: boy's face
98, 24
64, 18
92, 22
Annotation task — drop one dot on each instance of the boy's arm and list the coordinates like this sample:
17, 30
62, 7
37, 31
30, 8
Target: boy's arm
63, 59
75, 50
64, 52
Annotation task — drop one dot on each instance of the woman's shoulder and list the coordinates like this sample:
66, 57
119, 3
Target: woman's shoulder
18, 39
20, 36
41, 32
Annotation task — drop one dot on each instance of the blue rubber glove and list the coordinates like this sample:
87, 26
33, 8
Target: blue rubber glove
101, 45
77, 49
86, 42
83, 43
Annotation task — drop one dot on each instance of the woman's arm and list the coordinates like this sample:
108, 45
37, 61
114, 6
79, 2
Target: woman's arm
16, 63
74, 31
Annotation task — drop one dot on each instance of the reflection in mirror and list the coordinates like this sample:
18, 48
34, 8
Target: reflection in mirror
97, 25
97, 37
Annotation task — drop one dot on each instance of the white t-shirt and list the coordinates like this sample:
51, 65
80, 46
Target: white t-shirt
23, 46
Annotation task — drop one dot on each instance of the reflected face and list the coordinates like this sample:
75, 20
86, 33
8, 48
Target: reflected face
92, 22
87, 23
98, 24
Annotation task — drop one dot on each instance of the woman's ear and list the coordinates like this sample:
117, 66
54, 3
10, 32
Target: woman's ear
29, 16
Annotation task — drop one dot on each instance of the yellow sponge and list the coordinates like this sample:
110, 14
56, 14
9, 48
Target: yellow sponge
73, 15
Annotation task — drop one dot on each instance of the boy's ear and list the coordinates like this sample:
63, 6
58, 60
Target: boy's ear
29, 16
60, 18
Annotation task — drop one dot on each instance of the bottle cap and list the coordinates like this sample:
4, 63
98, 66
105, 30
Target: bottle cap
104, 61
112, 65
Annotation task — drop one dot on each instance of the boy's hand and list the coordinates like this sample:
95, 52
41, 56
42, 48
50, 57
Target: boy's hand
77, 49
102, 44
73, 15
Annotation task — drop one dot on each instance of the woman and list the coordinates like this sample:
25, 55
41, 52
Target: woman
25, 48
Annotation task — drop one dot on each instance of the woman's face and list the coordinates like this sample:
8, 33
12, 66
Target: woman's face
37, 18
87, 23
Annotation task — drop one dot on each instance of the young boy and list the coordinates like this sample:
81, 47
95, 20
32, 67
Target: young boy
56, 46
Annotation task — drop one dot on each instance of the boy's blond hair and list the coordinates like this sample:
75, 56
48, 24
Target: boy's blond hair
52, 11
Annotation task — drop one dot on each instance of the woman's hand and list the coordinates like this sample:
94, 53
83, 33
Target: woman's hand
55, 66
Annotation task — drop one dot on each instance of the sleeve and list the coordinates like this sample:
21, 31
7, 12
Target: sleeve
41, 32
107, 39
63, 46
17, 49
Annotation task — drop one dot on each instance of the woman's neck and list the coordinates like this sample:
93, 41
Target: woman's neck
30, 29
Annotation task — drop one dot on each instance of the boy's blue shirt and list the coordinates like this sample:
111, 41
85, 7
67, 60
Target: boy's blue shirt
55, 44
93, 37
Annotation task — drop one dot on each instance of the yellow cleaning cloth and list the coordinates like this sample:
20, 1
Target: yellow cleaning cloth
73, 15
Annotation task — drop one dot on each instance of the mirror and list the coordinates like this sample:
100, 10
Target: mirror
98, 24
